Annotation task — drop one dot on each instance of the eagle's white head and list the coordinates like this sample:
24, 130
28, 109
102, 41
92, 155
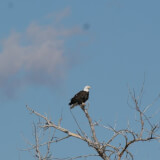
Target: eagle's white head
86, 88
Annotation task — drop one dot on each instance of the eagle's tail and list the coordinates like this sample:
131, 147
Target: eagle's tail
73, 105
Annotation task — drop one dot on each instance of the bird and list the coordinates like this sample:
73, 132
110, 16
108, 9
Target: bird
80, 98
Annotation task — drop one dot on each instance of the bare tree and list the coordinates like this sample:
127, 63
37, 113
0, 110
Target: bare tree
41, 148
109, 149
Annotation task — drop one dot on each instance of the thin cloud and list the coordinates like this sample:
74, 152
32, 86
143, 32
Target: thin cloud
34, 57
60, 15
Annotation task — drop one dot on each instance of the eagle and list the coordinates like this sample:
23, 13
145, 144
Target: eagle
80, 98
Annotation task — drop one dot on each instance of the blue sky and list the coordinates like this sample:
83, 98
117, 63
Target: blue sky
49, 50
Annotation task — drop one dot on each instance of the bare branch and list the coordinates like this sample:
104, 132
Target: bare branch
117, 145
38, 154
78, 157
90, 123
51, 124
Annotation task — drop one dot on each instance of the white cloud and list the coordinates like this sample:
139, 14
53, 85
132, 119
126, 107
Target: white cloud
33, 57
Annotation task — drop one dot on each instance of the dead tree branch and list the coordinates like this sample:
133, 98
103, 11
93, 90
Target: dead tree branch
116, 146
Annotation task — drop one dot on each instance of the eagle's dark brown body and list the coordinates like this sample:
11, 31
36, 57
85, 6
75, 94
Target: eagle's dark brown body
80, 98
